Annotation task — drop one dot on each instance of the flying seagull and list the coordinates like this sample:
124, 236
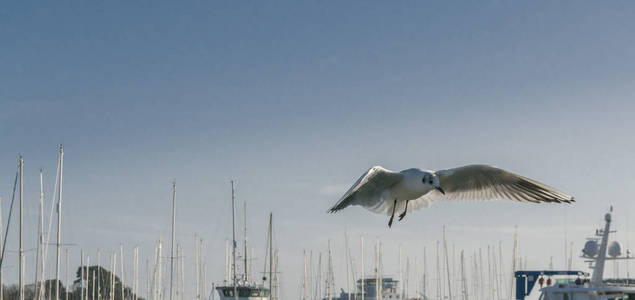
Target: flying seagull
383, 191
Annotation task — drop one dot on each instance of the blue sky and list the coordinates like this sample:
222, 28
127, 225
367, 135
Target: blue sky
295, 99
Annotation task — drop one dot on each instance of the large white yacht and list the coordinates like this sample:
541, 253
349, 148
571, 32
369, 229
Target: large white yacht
576, 285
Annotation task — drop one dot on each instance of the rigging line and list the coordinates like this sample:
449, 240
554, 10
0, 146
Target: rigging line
4, 243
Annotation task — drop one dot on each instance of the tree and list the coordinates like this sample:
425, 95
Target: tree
103, 285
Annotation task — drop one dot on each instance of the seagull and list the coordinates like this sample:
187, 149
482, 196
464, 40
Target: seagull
383, 191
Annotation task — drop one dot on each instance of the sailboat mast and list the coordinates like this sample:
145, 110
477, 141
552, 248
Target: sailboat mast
377, 284
329, 275
447, 264
39, 240
59, 226
401, 282
173, 238
233, 237
514, 260
234, 242
425, 274
304, 277
363, 275
245, 216
270, 253
463, 279
21, 279
348, 262
196, 265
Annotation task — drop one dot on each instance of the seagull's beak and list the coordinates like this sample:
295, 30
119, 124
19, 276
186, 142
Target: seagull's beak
440, 190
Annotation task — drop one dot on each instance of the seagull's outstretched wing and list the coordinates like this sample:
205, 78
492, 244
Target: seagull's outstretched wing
483, 182
367, 189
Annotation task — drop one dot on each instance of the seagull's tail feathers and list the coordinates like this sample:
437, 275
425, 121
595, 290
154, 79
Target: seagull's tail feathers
386, 207
419, 203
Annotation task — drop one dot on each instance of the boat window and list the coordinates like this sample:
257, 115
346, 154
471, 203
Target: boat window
243, 293
228, 293
255, 293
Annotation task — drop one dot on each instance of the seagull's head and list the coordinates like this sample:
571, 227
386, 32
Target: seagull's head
432, 180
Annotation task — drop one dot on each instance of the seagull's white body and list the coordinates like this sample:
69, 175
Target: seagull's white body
409, 187
384, 191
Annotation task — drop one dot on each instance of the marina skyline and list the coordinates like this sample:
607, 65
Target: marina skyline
291, 100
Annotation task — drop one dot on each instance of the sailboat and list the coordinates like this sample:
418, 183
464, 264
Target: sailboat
242, 287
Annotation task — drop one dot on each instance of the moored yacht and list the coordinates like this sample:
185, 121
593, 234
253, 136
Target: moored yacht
576, 285
241, 287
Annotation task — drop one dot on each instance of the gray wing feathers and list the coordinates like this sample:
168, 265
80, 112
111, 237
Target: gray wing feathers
488, 182
368, 189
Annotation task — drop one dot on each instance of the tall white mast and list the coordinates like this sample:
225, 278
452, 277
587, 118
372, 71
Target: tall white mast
233, 237
438, 273
598, 269
93, 287
159, 283
407, 278
377, 289
304, 276
114, 276
59, 226
197, 294
148, 282
318, 283
227, 263
514, 261
67, 274
123, 296
271, 255
401, 282
173, 237
21, 250
361, 238
329, 278
135, 274
234, 243
245, 254
155, 275
463, 279
98, 276
381, 272
447, 264
182, 277
178, 272
491, 265
39, 241
501, 269
425, 274
348, 271
81, 277
482, 287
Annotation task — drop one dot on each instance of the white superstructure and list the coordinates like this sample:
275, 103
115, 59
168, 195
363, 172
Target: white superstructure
595, 253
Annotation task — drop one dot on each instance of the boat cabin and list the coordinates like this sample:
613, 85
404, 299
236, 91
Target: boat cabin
244, 292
